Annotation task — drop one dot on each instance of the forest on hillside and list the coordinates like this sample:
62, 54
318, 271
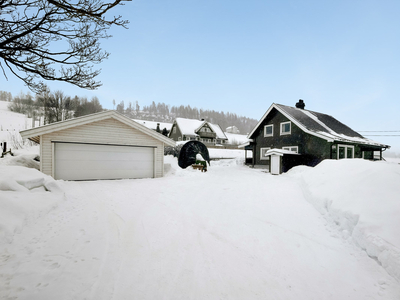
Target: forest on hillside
56, 106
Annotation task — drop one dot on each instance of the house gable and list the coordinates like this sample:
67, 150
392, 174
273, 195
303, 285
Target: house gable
35, 133
319, 125
313, 135
187, 129
106, 129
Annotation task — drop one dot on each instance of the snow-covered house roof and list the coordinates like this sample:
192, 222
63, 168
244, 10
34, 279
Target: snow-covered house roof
318, 124
234, 138
190, 127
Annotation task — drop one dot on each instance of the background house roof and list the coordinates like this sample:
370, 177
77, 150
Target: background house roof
190, 126
321, 125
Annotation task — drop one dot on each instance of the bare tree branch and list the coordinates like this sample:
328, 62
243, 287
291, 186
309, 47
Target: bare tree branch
55, 39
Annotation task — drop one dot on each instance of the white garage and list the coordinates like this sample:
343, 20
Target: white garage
105, 145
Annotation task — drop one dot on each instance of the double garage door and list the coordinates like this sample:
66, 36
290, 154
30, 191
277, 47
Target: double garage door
74, 161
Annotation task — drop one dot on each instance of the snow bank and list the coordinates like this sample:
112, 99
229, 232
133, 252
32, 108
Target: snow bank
363, 199
27, 157
25, 195
225, 153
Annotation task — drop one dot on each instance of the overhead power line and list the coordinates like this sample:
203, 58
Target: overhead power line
379, 131
382, 134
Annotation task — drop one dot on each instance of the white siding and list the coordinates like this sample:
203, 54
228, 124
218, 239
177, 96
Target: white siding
109, 131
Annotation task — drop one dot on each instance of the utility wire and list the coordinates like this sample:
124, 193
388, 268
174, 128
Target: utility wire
379, 131
382, 134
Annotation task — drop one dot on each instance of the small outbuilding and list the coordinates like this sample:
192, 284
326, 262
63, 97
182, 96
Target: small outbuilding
105, 145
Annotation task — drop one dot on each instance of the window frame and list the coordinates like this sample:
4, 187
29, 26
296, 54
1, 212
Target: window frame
263, 157
345, 151
265, 130
290, 128
290, 147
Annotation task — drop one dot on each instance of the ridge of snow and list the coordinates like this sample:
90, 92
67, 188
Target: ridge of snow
361, 198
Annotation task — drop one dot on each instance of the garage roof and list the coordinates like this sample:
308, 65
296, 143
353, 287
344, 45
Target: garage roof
35, 133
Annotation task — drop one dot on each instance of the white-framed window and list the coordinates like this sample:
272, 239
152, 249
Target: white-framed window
263, 153
268, 130
286, 128
179, 138
345, 151
205, 129
294, 149
174, 130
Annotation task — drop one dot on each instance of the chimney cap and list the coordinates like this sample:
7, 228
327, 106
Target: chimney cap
300, 104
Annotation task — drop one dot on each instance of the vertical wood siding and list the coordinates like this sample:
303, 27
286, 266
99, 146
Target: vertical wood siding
109, 131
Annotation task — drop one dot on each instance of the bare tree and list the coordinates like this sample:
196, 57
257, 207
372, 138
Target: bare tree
55, 40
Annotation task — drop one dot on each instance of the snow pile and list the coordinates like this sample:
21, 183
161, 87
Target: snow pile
225, 153
25, 195
362, 198
27, 157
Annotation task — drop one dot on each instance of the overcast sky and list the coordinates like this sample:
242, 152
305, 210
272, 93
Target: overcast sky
341, 57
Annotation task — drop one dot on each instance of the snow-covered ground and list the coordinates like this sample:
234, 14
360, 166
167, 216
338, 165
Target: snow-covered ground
233, 232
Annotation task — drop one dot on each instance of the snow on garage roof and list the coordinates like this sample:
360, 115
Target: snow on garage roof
35, 133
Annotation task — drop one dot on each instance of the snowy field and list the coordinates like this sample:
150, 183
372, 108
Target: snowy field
329, 232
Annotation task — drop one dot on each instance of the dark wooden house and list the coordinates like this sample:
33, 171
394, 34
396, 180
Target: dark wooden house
290, 136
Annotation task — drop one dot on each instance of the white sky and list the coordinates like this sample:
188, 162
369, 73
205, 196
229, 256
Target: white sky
341, 57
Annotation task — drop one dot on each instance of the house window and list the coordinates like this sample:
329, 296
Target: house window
345, 151
263, 153
368, 155
179, 139
174, 130
294, 149
268, 130
286, 128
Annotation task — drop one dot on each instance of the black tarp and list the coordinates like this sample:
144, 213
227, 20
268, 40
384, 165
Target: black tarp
187, 156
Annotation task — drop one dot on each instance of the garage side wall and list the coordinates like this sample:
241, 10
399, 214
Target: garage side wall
109, 131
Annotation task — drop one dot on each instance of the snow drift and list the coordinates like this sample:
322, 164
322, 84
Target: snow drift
25, 195
362, 198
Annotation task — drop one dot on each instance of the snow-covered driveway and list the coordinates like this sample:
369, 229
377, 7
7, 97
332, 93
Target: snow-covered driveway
230, 233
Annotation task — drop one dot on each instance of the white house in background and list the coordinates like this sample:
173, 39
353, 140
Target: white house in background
104, 145
232, 129
190, 129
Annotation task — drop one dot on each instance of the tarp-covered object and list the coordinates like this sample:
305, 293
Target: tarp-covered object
187, 157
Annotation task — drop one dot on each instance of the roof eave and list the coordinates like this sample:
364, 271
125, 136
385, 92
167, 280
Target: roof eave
35, 133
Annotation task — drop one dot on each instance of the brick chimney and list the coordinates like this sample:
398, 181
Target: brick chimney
300, 104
